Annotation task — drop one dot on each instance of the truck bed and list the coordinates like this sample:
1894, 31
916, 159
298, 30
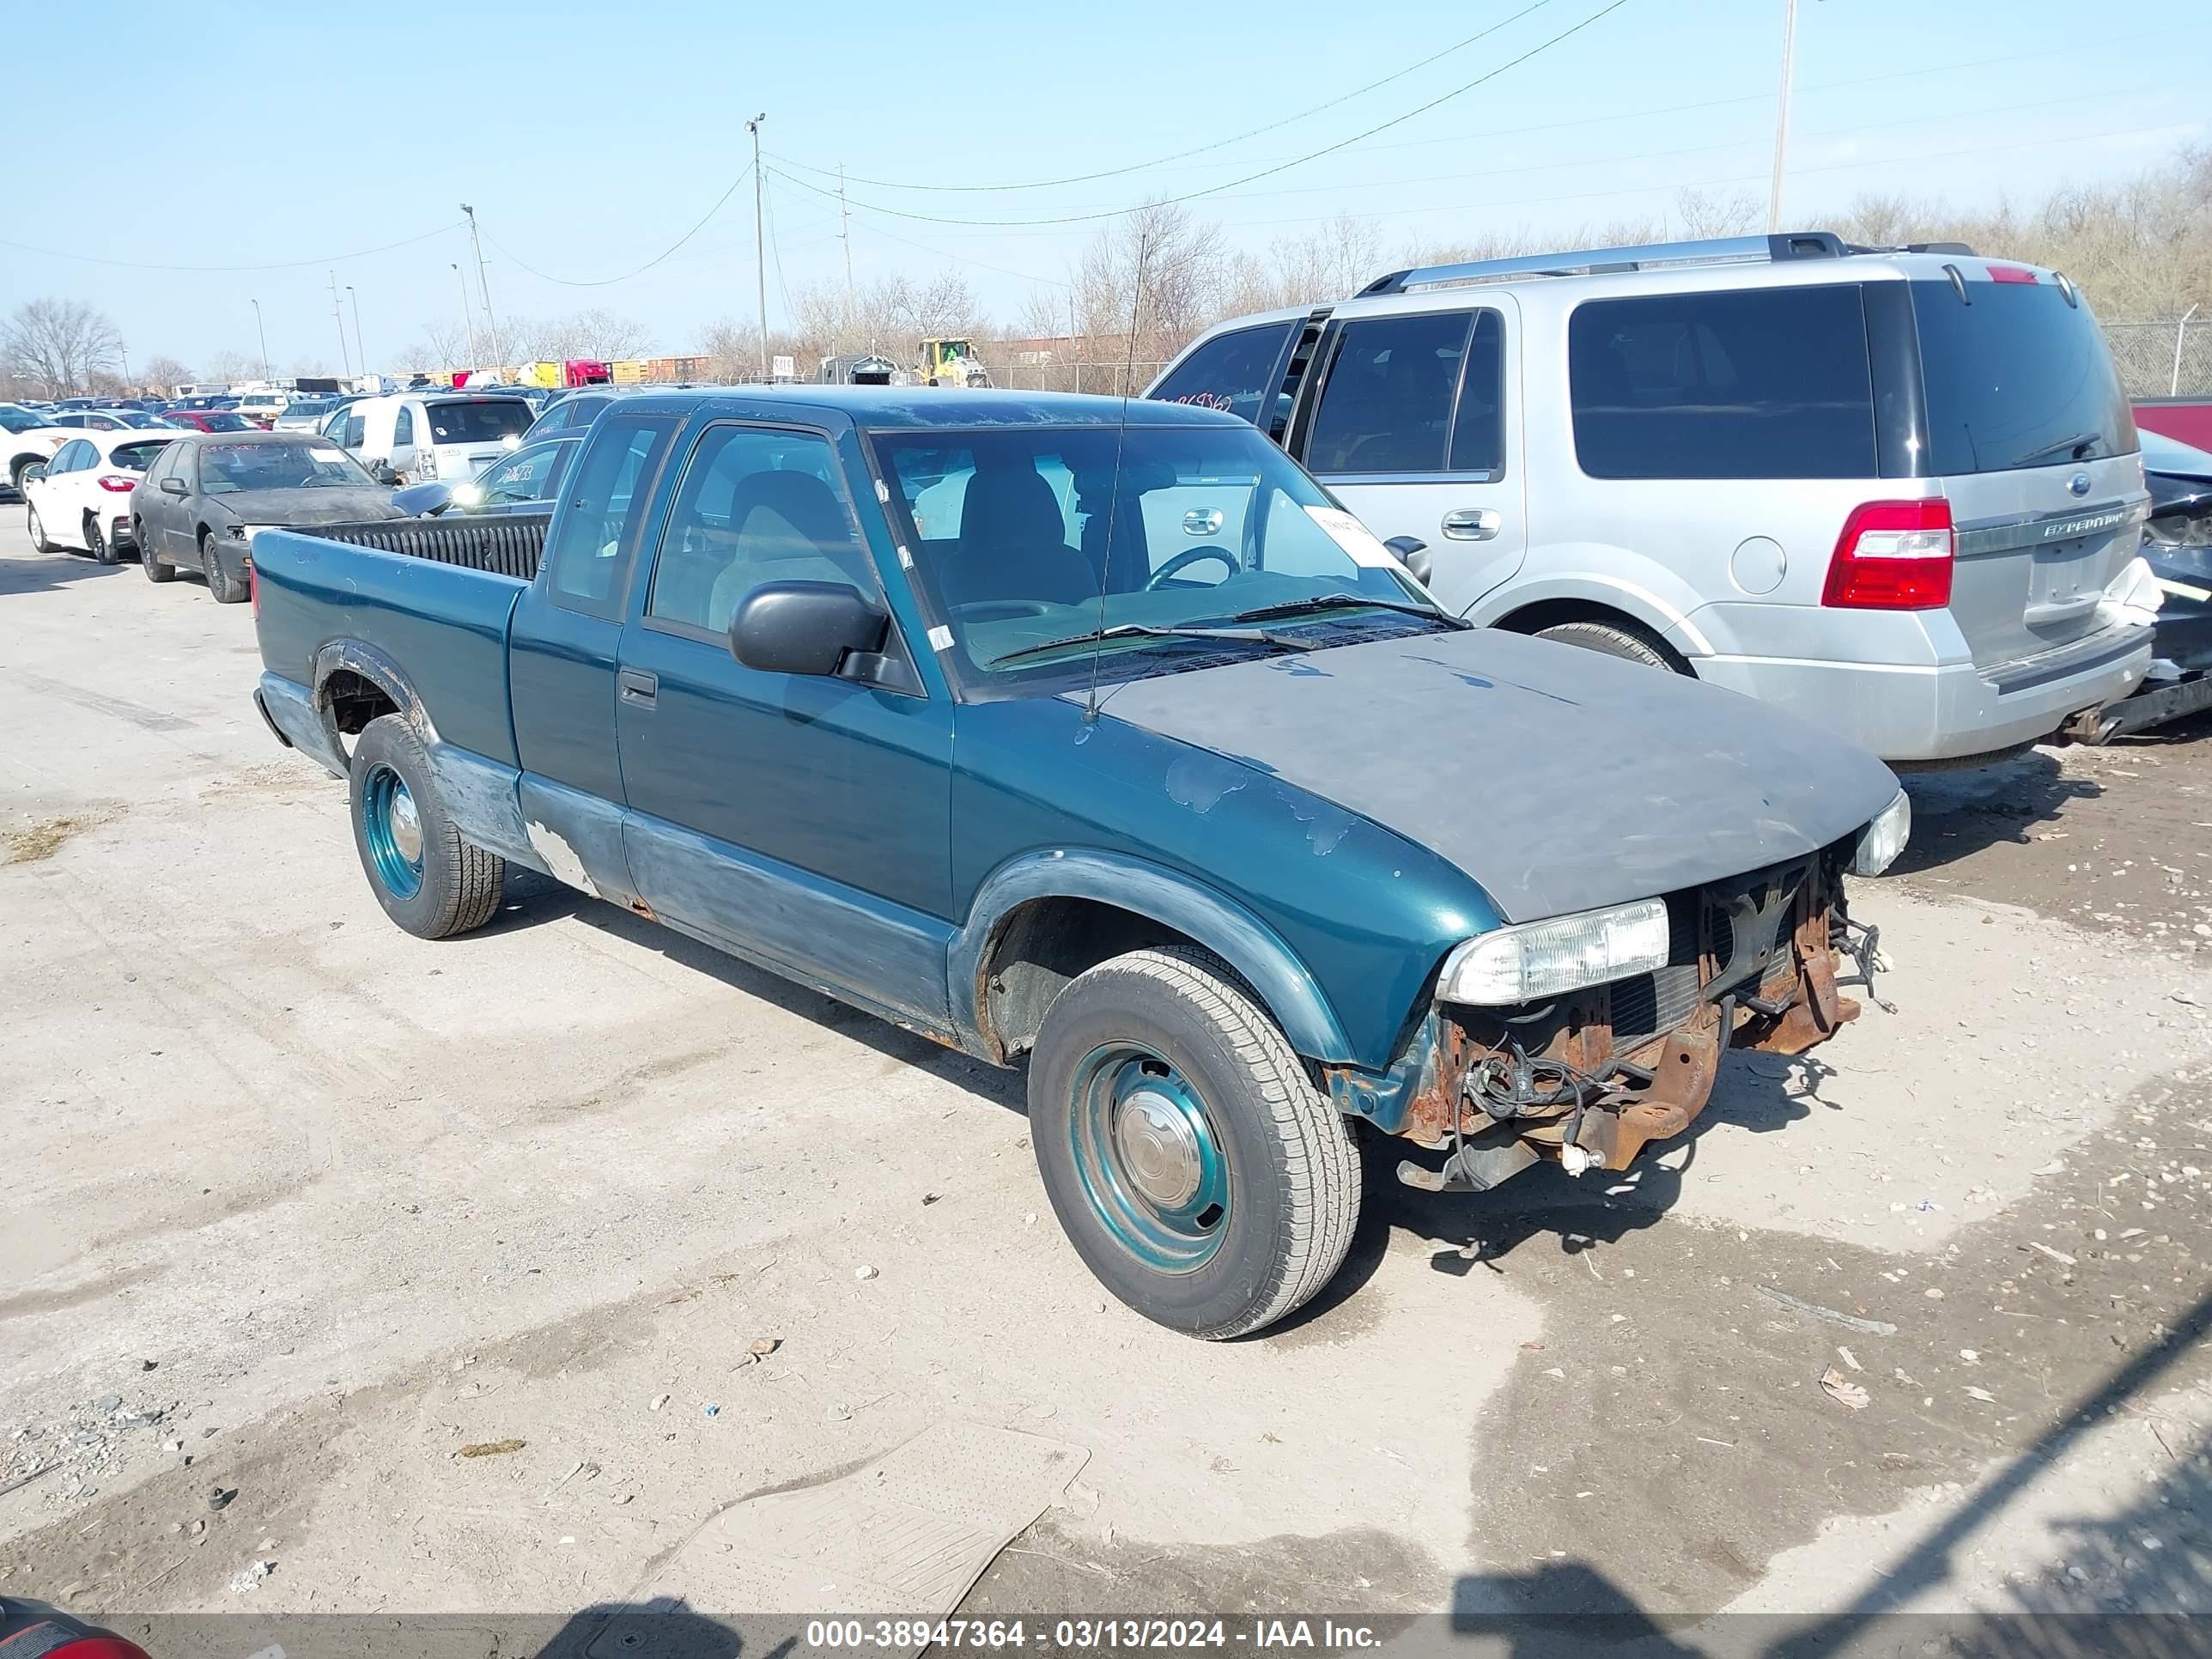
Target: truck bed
434, 597
509, 546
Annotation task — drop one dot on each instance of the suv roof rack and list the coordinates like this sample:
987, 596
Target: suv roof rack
1584, 262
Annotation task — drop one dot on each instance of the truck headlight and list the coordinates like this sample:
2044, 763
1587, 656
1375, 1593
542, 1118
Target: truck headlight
1881, 840
1540, 959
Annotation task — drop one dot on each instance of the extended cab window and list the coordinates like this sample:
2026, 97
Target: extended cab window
1235, 372
593, 551
1387, 403
1763, 383
756, 506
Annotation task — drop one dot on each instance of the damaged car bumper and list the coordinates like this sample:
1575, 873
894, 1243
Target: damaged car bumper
1587, 1077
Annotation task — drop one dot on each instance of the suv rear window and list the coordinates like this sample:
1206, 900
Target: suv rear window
1762, 383
2019, 378
484, 422
135, 458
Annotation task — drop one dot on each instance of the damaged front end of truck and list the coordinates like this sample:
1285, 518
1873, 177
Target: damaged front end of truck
1585, 1075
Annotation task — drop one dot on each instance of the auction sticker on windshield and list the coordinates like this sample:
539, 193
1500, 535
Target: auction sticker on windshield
1360, 545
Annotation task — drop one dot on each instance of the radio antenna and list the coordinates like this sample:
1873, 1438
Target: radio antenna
1120, 437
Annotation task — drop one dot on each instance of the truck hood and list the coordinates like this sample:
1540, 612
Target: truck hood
345, 504
1556, 778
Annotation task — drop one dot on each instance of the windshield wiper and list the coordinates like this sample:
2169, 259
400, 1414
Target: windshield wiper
2073, 448
1147, 630
1346, 601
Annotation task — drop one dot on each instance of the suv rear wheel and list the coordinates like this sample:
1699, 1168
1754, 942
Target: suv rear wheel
1622, 640
1192, 1163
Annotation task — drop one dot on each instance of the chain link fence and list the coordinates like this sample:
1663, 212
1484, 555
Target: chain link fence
1110, 379
2165, 357
2143, 350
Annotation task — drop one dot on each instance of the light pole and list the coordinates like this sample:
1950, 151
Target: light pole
263, 334
361, 352
491, 323
1782, 115
760, 249
468, 317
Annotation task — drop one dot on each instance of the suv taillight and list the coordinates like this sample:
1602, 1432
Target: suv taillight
117, 483
1893, 556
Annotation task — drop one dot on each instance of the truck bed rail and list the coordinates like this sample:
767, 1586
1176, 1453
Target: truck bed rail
508, 546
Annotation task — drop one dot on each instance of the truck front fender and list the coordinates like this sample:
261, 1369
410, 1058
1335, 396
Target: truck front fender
1247, 944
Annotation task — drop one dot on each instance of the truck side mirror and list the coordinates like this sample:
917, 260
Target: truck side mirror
1413, 553
805, 628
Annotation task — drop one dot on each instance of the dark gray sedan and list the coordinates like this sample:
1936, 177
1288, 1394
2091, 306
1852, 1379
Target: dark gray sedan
209, 493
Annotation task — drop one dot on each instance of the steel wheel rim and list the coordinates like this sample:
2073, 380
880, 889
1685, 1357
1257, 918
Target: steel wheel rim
394, 827
1148, 1159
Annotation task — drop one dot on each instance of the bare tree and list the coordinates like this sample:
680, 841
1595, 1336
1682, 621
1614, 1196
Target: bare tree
59, 344
598, 333
229, 367
162, 373
1702, 215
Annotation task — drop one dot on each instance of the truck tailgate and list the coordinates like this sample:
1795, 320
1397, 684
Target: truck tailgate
441, 625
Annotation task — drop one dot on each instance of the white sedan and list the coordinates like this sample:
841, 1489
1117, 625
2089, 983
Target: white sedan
82, 498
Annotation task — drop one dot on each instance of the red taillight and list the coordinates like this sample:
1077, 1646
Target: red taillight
117, 483
2011, 274
1893, 556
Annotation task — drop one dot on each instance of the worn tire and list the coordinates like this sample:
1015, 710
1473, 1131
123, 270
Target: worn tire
96, 542
458, 884
157, 569
1625, 641
1291, 1168
36, 527
222, 588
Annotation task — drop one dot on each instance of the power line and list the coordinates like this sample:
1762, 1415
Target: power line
284, 264
1250, 178
960, 258
1202, 149
608, 282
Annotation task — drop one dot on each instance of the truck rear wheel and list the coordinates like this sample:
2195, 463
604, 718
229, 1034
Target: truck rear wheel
1190, 1160
429, 880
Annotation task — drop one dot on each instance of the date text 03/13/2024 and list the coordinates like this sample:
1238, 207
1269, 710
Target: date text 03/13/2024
1259, 1635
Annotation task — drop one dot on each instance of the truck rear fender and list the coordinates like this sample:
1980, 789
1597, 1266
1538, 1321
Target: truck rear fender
355, 683
1059, 881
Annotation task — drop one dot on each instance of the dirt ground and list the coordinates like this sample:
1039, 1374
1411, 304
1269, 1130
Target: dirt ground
299, 1206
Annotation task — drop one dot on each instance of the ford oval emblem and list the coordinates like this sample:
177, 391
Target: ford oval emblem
2079, 483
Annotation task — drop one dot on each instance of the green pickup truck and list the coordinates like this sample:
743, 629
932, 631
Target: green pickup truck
1094, 733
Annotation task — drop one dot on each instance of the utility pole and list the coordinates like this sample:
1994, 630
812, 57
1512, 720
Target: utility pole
491, 323
845, 235
360, 350
468, 315
338, 311
263, 335
125, 351
760, 247
1782, 115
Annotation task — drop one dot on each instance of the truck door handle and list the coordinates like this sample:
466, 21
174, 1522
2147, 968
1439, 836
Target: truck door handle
637, 688
1473, 524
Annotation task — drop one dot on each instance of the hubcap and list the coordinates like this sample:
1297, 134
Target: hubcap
1158, 1148
393, 829
1150, 1162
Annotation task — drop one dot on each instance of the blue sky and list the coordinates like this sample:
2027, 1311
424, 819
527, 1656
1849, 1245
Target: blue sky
589, 137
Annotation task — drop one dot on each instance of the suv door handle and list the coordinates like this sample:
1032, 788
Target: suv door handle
1473, 524
637, 688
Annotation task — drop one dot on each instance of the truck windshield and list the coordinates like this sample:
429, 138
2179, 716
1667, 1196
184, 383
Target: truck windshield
1023, 539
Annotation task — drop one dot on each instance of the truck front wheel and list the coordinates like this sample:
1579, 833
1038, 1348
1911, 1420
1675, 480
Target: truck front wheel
429, 880
1190, 1160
